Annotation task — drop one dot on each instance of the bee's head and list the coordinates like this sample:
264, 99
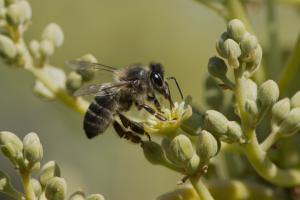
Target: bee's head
158, 81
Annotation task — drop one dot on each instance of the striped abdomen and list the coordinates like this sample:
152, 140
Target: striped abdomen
99, 115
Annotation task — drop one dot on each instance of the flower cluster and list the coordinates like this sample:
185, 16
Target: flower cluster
26, 158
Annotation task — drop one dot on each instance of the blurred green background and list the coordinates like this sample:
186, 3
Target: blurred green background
180, 34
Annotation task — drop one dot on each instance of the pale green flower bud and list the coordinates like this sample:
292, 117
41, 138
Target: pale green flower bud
153, 152
95, 197
11, 146
48, 171
34, 48
87, 74
54, 33
248, 44
268, 93
7, 47
182, 148
181, 193
280, 110
220, 44
37, 188
207, 146
74, 82
253, 60
236, 29
251, 88
56, 189
193, 164
46, 48
33, 150
215, 122
233, 52
42, 91
295, 100
217, 67
251, 107
169, 154
234, 133
19, 12
78, 195
291, 123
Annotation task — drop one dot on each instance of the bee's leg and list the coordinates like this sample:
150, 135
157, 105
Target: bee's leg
152, 112
155, 101
126, 134
134, 126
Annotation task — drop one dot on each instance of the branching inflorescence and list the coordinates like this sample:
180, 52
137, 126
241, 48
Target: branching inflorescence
190, 140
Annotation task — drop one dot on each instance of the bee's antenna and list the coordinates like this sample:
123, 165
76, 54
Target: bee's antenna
169, 96
173, 78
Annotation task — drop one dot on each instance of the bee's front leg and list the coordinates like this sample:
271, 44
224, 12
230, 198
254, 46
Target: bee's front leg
152, 111
152, 98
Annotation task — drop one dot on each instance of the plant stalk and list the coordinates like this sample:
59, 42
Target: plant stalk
201, 189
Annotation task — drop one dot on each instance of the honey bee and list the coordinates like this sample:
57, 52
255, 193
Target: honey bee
134, 85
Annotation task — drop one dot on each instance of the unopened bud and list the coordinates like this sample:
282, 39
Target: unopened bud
11, 145
153, 152
87, 74
220, 44
46, 48
193, 164
251, 107
37, 188
207, 146
33, 150
234, 133
53, 33
215, 122
233, 52
251, 88
95, 197
19, 12
42, 91
78, 195
48, 171
253, 60
268, 93
236, 29
7, 47
291, 123
182, 148
295, 100
248, 44
217, 67
56, 189
280, 110
34, 48
74, 82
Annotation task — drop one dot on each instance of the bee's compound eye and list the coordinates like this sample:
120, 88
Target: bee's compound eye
157, 79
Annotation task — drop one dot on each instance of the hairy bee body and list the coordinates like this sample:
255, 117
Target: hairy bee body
134, 85
103, 109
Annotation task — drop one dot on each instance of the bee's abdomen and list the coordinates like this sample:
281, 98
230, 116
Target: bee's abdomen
99, 115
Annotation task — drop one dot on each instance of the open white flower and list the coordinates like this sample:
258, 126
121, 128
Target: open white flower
175, 117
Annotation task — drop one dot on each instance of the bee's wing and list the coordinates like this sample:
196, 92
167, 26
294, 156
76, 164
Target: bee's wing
101, 89
81, 65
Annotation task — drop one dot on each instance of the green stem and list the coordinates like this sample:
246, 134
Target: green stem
291, 67
214, 7
76, 103
201, 189
266, 168
28, 190
274, 54
255, 154
270, 140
